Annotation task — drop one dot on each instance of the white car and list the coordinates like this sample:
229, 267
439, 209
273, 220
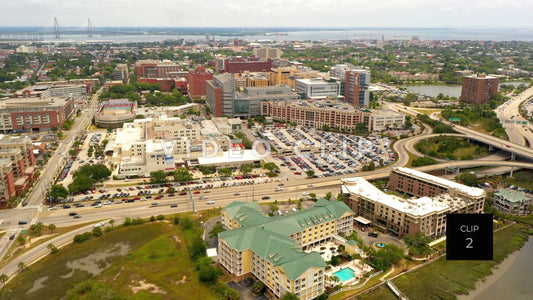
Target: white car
279, 189
52, 208
210, 202
310, 185
99, 224
305, 194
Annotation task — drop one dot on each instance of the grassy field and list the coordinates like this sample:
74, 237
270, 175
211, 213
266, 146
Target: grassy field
450, 147
426, 111
164, 263
521, 179
445, 279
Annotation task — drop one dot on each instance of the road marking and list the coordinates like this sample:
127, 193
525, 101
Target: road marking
33, 221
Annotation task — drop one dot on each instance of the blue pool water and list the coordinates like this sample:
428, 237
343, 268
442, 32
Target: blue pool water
344, 274
381, 245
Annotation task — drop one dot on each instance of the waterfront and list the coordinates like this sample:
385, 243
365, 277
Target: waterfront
478, 34
510, 281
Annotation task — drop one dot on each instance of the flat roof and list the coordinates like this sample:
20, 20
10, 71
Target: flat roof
416, 207
363, 220
471, 191
230, 157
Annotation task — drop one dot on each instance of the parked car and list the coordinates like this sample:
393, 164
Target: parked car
173, 205
373, 234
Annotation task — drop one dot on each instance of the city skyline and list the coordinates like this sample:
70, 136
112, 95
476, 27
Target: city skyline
275, 13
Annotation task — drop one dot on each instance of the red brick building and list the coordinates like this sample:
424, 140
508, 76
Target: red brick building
478, 89
197, 83
251, 64
7, 183
34, 114
167, 84
155, 68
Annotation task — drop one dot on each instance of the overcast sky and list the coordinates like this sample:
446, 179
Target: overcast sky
269, 13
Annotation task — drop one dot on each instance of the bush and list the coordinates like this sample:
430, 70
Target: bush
160, 217
225, 291
97, 231
176, 220
152, 219
80, 238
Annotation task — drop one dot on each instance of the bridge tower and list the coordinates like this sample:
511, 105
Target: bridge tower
56, 28
89, 27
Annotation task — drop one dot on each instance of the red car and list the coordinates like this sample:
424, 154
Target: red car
298, 173
158, 197
196, 192
136, 198
183, 193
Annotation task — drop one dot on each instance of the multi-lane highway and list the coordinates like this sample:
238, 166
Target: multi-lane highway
518, 129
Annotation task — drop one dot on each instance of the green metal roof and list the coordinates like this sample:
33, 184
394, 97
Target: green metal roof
511, 195
268, 237
246, 213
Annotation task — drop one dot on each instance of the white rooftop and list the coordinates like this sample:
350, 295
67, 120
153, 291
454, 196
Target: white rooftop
471, 191
230, 157
416, 207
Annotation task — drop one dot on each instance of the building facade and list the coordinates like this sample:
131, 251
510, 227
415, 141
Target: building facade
478, 89
273, 249
250, 64
197, 83
354, 83
267, 53
317, 88
394, 214
34, 114
156, 69
7, 183
512, 202
121, 72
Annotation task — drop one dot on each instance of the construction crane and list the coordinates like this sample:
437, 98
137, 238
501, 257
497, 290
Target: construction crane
89, 27
56, 28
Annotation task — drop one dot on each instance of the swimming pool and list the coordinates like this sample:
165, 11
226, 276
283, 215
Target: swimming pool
344, 274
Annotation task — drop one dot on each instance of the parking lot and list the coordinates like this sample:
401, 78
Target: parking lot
325, 153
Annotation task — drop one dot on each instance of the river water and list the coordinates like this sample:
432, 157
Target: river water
517, 282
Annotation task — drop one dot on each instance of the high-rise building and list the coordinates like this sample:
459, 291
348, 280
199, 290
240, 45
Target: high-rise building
220, 93
121, 72
197, 83
267, 53
478, 89
354, 83
223, 99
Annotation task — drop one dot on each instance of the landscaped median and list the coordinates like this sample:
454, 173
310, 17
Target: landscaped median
444, 279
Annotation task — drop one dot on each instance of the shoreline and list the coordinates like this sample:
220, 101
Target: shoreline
497, 272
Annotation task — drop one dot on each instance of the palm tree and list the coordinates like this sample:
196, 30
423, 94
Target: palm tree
112, 222
4, 278
22, 266
52, 227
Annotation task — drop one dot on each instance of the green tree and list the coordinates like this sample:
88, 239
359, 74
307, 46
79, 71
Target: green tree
289, 296
218, 228
270, 166
328, 195
22, 266
197, 248
418, 243
97, 231
182, 174
207, 170
246, 168
112, 222
423, 161
369, 166
258, 287
469, 178
53, 249
310, 173
3, 279
58, 191
158, 177
225, 172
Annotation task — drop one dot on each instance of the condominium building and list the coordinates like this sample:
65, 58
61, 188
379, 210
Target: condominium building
318, 88
22, 143
7, 182
34, 114
512, 202
121, 72
267, 53
426, 214
422, 184
479, 89
273, 249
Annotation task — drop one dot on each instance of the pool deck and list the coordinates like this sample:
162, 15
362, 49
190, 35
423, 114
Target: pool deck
357, 265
